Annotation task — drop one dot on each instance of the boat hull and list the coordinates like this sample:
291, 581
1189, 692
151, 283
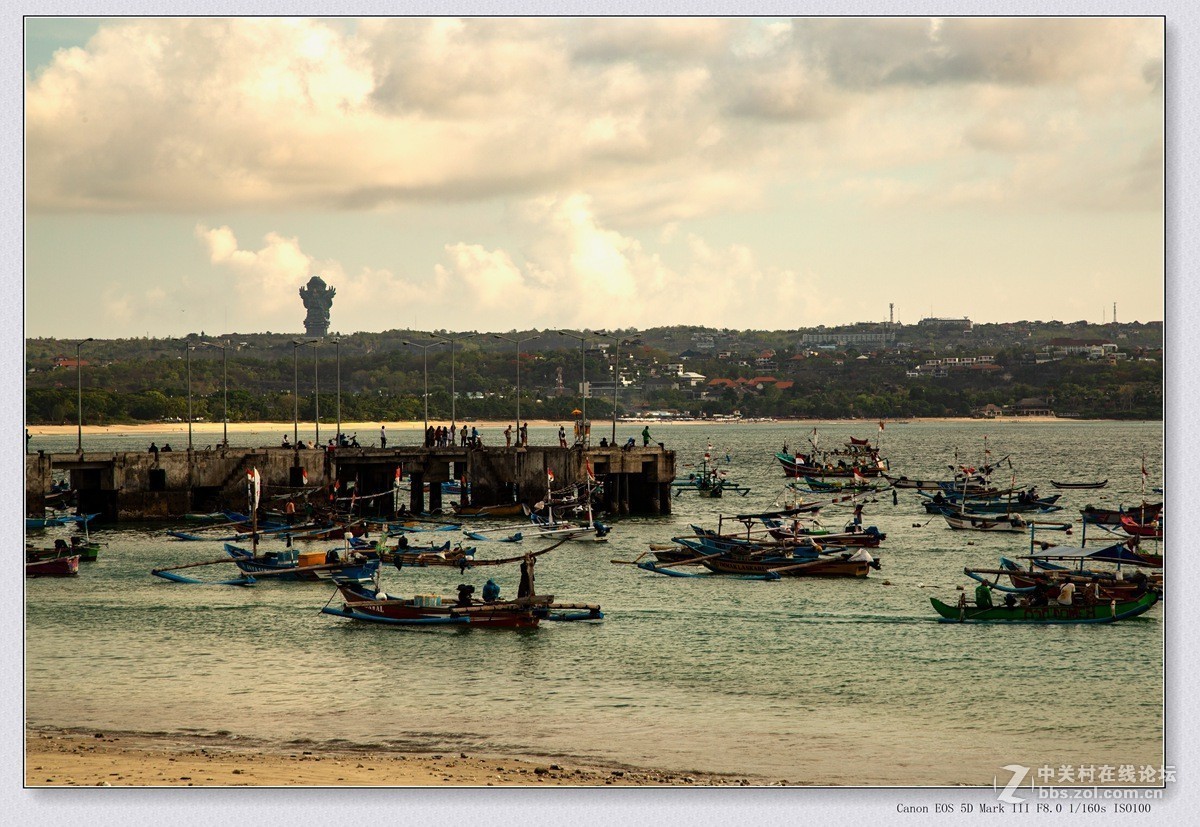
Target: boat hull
53, 567
366, 605
1100, 612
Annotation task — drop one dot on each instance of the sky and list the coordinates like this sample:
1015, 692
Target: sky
186, 175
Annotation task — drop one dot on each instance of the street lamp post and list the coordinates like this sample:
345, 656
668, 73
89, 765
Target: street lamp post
518, 343
79, 388
453, 395
188, 348
425, 367
316, 394
616, 377
337, 356
296, 345
583, 383
224, 347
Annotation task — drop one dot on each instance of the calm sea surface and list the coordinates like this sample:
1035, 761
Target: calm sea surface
821, 681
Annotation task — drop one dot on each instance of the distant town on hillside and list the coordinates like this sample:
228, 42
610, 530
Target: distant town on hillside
936, 367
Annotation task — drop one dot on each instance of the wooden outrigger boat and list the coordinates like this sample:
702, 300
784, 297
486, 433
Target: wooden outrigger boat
87, 551
52, 566
966, 521
1079, 485
1097, 612
506, 510
372, 605
1145, 513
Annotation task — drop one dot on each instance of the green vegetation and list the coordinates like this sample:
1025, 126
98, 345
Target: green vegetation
141, 380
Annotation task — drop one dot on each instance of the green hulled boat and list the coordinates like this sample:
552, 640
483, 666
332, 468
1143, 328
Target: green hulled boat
1102, 612
86, 552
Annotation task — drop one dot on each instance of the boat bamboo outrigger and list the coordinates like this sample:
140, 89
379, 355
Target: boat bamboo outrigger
372, 605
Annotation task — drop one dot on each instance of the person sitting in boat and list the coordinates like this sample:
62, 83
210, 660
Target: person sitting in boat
1010, 600
60, 544
938, 498
1066, 594
983, 596
1041, 594
464, 594
491, 592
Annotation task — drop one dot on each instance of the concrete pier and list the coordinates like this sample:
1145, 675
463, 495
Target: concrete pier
128, 485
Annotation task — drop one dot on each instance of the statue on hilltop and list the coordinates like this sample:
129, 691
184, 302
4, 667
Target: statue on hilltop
317, 298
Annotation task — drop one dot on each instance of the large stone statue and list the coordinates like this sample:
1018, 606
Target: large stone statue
317, 298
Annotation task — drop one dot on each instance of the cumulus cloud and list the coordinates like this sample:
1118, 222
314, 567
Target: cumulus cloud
297, 114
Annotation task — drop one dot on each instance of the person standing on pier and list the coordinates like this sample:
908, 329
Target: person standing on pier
645, 436
562, 437
382, 436
525, 434
508, 437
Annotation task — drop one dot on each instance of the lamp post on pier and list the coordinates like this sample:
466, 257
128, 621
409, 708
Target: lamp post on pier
453, 395
187, 353
616, 376
296, 345
224, 348
518, 343
79, 388
425, 368
337, 358
585, 435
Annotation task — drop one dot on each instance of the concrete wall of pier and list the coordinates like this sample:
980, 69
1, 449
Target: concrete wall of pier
124, 486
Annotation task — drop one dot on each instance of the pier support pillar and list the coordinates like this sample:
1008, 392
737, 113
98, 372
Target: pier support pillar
664, 498
623, 504
416, 499
435, 497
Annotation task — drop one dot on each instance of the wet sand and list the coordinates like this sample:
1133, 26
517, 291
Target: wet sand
77, 758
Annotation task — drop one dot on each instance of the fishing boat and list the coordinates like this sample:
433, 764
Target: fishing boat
758, 562
1144, 513
854, 457
1079, 485
1077, 612
87, 551
947, 505
371, 604
1152, 530
505, 510
308, 566
1043, 573
709, 482
53, 567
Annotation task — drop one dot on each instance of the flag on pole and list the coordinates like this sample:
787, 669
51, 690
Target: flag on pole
881, 426
303, 477
590, 474
254, 480
549, 475
399, 473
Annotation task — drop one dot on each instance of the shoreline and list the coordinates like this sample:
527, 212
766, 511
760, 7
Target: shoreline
371, 429
74, 757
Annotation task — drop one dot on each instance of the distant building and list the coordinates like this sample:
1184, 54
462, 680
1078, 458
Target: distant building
945, 323
843, 338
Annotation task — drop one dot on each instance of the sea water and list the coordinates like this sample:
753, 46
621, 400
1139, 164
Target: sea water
842, 681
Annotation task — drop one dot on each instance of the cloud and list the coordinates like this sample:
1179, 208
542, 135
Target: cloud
574, 271
702, 115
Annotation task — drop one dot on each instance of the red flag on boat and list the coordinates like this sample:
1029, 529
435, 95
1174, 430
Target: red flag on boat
303, 477
399, 473
591, 475
549, 475
881, 426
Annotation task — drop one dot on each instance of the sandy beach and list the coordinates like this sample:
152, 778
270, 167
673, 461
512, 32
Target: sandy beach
76, 758
371, 429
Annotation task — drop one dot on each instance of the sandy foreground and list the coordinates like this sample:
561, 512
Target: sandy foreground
370, 430
78, 758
